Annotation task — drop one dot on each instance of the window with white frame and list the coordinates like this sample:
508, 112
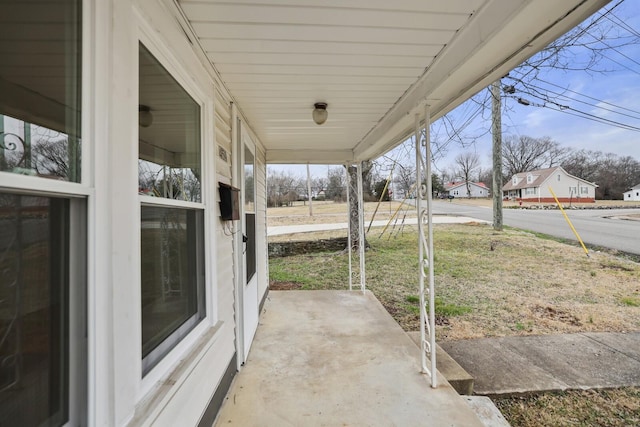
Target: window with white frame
573, 190
172, 231
40, 102
530, 191
515, 180
529, 178
42, 236
584, 189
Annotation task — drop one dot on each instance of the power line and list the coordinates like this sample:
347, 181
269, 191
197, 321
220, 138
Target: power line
579, 113
586, 96
541, 90
546, 98
615, 50
617, 21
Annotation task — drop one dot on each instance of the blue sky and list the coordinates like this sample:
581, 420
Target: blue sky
617, 90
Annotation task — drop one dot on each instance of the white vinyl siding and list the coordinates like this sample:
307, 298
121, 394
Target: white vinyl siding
224, 238
223, 135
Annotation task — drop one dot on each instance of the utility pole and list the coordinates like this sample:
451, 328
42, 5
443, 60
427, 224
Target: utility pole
496, 130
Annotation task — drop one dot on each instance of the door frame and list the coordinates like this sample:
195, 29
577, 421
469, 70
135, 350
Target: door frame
241, 139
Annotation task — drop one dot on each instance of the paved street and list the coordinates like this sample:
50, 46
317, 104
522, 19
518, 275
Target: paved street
595, 226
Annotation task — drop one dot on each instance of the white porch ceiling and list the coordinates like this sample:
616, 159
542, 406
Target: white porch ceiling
372, 61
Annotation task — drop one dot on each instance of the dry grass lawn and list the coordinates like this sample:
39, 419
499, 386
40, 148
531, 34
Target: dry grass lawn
332, 212
495, 284
603, 408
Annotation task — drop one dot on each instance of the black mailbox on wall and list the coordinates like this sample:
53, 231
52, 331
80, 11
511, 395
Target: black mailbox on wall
229, 202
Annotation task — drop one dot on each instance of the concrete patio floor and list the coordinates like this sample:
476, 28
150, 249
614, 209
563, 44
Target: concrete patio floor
336, 358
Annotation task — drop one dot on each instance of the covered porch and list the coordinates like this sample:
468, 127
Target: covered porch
336, 358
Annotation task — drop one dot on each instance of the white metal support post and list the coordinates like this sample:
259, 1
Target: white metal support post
425, 247
309, 191
361, 238
349, 244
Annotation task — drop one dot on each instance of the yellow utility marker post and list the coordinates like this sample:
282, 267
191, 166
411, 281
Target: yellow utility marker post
569, 222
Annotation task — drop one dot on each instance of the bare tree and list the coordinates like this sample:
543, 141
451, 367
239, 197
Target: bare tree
584, 164
486, 176
467, 163
319, 184
524, 153
280, 184
336, 187
404, 178
51, 157
613, 174
580, 49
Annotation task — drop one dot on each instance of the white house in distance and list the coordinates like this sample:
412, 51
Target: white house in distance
134, 139
534, 187
459, 189
633, 194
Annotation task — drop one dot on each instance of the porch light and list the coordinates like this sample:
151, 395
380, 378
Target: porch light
320, 112
145, 118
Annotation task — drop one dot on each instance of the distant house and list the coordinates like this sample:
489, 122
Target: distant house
534, 187
459, 189
633, 194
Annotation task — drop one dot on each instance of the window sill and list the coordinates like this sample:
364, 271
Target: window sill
152, 403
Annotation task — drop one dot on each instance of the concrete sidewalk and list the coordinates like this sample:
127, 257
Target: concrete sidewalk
514, 365
305, 228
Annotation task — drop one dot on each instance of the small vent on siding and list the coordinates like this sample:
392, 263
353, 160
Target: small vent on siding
222, 153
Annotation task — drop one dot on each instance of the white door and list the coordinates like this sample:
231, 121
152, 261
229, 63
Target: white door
247, 244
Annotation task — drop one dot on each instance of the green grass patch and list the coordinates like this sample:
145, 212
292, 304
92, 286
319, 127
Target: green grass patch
631, 301
448, 309
414, 299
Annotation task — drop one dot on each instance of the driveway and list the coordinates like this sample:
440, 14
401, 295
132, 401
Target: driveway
600, 227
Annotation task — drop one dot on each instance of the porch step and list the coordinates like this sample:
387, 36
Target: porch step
487, 411
459, 379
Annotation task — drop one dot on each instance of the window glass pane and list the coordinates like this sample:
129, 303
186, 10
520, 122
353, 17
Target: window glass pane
34, 358
172, 251
249, 193
250, 216
40, 88
169, 135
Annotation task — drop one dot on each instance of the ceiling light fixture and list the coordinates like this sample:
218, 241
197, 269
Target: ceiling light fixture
320, 112
145, 118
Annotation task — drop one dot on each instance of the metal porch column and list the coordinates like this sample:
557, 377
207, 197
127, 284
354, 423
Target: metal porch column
361, 237
425, 247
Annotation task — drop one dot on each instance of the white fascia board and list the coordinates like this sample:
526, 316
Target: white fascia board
318, 157
479, 55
